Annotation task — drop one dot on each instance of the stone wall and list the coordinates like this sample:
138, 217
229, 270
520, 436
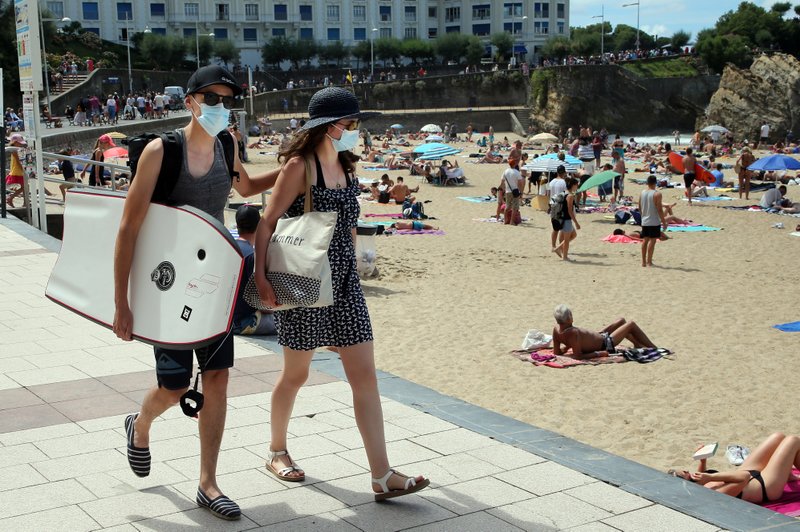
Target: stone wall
769, 91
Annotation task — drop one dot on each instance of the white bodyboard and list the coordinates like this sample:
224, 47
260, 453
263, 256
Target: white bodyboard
184, 277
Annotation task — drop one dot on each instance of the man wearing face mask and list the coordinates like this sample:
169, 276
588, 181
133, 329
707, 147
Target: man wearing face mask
204, 182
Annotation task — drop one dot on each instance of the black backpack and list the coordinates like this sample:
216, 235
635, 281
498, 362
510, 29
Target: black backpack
173, 159
558, 207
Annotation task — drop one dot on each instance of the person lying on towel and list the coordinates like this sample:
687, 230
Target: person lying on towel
589, 344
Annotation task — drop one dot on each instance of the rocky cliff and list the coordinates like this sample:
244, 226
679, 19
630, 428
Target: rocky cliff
769, 91
610, 96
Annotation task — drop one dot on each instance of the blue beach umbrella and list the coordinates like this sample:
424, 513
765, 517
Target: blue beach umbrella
569, 159
430, 146
396, 126
775, 162
438, 153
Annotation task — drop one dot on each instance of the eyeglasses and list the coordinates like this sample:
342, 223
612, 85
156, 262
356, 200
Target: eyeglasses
212, 98
352, 126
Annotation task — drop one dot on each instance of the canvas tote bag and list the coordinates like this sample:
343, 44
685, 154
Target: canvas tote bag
297, 259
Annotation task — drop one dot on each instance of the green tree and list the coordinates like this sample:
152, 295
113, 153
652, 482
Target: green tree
276, 51
333, 52
504, 43
301, 50
474, 50
588, 44
8, 54
226, 51
163, 52
362, 51
388, 49
718, 50
451, 46
416, 50
680, 39
205, 45
557, 47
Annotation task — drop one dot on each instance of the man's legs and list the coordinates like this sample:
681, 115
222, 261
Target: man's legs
632, 332
212, 425
644, 252
651, 246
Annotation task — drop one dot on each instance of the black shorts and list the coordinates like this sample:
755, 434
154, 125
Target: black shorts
585, 178
618, 183
174, 367
688, 179
557, 224
651, 231
764, 139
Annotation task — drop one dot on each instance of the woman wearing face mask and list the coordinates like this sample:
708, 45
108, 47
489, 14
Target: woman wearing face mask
325, 141
204, 183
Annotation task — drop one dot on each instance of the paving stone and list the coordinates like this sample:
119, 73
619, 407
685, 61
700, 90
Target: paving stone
474, 522
597, 526
245, 436
103, 423
24, 453
325, 522
260, 364
505, 456
422, 423
101, 405
303, 447
20, 349
79, 465
255, 399
69, 390
80, 443
473, 495
352, 491
657, 518
405, 512
172, 448
230, 460
8, 384
102, 368
242, 417
550, 512
453, 441
245, 385
544, 478
400, 453
19, 476
71, 339
70, 518
336, 387
240, 485
18, 397
336, 419
129, 382
329, 467
304, 426
609, 498
137, 506
288, 505
122, 350
47, 375
28, 417
305, 406
193, 520
13, 364
34, 499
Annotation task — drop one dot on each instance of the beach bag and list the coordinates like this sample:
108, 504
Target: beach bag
297, 259
536, 340
738, 166
557, 206
621, 217
637, 217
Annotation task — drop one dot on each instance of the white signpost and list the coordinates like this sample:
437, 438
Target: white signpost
29, 55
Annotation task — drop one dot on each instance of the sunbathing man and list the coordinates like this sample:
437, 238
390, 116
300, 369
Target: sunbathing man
589, 344
412, 225
400, 192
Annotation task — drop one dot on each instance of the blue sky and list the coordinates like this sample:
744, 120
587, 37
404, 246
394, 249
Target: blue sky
659, 17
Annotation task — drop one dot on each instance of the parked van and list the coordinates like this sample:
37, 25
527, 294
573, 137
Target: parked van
176, 96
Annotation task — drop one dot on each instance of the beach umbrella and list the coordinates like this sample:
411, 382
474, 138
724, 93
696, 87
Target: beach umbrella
550, 165
567, 158
396, 126
598, 179
117, 135
117, 151
434, 138
431, 128
714, 129
775, 162
543, 138
438, 153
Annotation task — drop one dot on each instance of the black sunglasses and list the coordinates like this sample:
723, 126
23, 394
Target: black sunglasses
212, 98
352, 126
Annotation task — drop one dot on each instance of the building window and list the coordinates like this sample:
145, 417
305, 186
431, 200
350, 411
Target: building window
432, 33
385, 33
385, 13
250, 35
332, 13
158, 10
334, 34
517, 27
411, 13
124, 11
452, 29
359, 34
359, 13
279, 32
159, 31
560, 10
56, 8
561, 27
189, 32
306, 13
221, 34
541, 28
481, 30
410, 33
513, 9
90, 11
223, 12
481, 11
431, 12
123, 34
281, 13
191, 9
452, 14
307, 34
251, 12
96, 31
541, 9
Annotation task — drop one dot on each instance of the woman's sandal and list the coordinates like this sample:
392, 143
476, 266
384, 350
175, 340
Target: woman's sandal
411, 486
283, 473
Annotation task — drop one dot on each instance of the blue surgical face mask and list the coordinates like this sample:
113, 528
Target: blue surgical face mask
347, 141
214, 118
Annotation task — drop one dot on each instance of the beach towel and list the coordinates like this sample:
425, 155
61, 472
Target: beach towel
710, 198
789, 327
691, 229
419, 232
375, 169
546, 357
621, 239
789, 501
383, 215
495, 220
644, 355
478, 199
795, 233
385, 223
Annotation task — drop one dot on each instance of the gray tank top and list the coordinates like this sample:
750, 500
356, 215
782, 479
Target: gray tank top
650, 216
208, 192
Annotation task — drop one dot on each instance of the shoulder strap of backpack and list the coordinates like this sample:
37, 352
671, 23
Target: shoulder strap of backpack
171, 165
228, 150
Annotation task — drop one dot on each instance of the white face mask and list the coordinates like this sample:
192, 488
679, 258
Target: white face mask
214, 118
347, 141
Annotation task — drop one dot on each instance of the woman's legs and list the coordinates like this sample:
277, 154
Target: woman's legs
759, 458
786, 456
292, 377
359, 366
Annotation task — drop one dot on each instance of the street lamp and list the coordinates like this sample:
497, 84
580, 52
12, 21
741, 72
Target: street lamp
372, 55
513, 33
197, 40
128, 47
44, 55
637, 4
602, 17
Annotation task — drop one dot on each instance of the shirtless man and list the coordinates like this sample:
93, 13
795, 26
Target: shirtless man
589, 344
400, 192
689, 176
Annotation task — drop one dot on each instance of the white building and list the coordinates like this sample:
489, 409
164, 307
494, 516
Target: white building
252, 23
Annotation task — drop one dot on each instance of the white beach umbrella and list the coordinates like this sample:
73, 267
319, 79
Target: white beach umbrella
434, 138
714, 129
543, 138
431, 128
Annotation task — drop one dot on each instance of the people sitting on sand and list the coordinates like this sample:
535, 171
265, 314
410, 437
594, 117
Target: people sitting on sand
386, 181
772, 196
400, 192
412, 225
637, 234
786, 206
585, 343
771, 465
374, 156
699, 190
374, 193
491, 157
453, 174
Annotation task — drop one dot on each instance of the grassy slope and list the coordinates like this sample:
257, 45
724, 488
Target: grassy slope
670, 68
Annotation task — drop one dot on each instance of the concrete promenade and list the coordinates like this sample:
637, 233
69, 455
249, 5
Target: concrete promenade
66, 384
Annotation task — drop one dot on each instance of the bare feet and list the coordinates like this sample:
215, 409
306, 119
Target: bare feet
557, 251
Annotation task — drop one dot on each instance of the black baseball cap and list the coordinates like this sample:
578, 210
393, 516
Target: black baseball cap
247, 218
212, 75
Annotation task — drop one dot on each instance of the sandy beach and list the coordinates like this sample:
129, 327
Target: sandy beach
447, 310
